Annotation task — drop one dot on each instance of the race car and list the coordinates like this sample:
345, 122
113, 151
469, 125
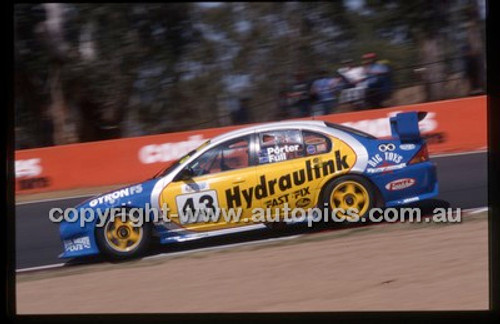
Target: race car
302, 164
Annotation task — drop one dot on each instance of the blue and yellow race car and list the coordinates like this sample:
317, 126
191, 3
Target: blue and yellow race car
300, 164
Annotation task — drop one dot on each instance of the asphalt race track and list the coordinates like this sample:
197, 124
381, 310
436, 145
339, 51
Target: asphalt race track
462, 180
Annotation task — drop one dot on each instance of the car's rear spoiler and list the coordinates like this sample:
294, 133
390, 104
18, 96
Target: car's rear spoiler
405, 126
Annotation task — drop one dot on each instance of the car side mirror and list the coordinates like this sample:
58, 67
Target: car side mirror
185, 174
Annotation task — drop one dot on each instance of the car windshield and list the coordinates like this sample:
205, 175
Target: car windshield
179, 161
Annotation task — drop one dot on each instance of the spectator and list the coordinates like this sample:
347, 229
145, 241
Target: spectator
240, 115
47, 127
386, 79
299, 95
473, 61
352, 75
377, 80
323, 90
282, 111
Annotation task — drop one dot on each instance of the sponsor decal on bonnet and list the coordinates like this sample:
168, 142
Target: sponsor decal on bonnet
194, 187
112, 197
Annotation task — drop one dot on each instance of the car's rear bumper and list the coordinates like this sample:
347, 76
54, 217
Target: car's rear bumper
396, 191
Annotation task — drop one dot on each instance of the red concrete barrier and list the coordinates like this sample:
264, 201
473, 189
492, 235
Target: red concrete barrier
450, 126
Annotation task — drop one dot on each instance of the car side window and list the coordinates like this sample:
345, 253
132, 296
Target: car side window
231, 155
316, 143
280, 145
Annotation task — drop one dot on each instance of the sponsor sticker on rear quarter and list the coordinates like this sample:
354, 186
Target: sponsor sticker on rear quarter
400, 184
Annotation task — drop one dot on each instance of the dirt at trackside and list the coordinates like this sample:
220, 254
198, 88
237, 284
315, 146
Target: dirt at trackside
383, 267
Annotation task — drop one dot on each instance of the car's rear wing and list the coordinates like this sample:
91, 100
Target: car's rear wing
405, 126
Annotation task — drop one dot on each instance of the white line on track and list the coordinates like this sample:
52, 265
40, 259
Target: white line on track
175, 254
477, 210
458, 154
45, 267
97, 193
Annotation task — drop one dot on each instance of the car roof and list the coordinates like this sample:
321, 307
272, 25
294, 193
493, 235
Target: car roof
269, 126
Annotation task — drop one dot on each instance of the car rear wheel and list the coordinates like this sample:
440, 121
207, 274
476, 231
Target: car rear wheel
349, 192
120, 239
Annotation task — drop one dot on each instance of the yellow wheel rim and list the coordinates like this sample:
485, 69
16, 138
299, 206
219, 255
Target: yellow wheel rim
122, 235
350, 194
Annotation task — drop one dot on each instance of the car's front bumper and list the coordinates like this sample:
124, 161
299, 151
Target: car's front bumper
77, 241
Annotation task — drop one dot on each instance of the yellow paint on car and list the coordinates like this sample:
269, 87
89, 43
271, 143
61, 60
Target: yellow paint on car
296, 182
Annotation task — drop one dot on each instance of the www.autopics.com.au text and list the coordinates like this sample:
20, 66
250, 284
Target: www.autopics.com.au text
138, 216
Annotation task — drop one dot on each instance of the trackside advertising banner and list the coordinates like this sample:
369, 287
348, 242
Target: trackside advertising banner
450, 126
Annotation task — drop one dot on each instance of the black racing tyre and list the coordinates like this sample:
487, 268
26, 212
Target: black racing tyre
350, 191
118, 239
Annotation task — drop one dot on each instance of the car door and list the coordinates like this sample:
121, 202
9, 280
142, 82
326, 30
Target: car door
292, 163
281, 170
220, 182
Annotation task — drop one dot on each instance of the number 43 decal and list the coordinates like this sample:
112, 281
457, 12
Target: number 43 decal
197, 201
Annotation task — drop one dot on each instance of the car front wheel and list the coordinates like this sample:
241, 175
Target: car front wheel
120, 238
